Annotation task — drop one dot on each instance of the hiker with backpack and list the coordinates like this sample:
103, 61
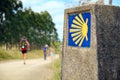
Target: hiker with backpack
45, 51
24, 46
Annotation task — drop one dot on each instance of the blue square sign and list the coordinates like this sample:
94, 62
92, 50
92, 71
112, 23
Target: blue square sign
79, 29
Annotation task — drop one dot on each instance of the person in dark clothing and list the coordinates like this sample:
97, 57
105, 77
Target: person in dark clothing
45, 51
24, 46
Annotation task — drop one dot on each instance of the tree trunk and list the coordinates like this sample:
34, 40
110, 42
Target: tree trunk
110, 2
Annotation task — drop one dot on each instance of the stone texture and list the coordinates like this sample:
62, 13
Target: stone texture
108, 42
101, 60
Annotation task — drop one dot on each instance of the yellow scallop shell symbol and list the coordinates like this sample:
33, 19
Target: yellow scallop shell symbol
79, 30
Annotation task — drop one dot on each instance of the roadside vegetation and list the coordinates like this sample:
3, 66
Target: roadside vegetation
16, 54
56, 64
56, 67
4, 55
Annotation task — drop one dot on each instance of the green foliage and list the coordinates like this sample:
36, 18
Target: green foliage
58, 46
4, 55
8, 9
16, 22
56, 67
57, 73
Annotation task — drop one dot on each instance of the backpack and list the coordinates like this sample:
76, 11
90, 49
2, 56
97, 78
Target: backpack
45, 49
23, 44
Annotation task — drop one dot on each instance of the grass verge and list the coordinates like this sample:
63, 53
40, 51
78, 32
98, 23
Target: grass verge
56, 67
4, 55
16, 54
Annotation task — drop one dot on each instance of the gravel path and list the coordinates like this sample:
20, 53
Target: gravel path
35, 69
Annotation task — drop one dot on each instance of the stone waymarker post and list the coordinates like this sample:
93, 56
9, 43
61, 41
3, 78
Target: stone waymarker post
91, 45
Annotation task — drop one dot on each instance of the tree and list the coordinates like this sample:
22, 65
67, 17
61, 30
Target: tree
37, 27
8, 9
15, 22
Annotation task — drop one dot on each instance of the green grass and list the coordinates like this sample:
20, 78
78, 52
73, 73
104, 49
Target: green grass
56, 67
4, 55
16, 54
34, 54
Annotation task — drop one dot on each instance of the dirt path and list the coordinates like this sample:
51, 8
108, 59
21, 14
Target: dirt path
35, 69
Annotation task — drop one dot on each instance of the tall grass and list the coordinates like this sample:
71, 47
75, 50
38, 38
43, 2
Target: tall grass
16, 54
35, 54
4, 55
56, 67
